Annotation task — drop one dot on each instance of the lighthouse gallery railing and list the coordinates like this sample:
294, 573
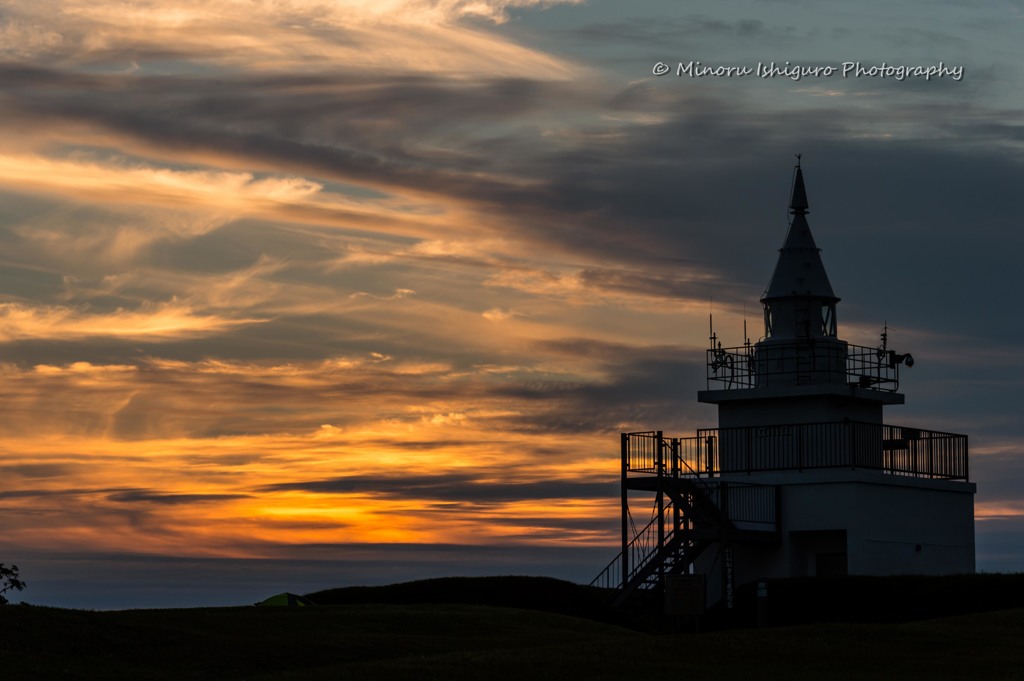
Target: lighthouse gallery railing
803, 362
895, 450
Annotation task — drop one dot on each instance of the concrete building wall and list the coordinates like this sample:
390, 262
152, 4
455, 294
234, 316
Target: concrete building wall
858, 523
812, 444
913, 530
808, 409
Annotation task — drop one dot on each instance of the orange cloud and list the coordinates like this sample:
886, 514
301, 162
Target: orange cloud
218, 495
1005, 508
393, 35
152, 322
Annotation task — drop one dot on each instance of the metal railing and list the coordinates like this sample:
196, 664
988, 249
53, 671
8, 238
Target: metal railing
708, 503
641, 550
744, 503
643, 452
895, 450
802, 363
650, 451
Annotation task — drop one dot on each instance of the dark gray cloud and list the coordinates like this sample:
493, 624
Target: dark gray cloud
330, 125
637, 385
36, 470
118, 495
1000, 477
44, 493
695, 192
640, 393
145, 496
679, 285
450, 487
675, 31
998, 544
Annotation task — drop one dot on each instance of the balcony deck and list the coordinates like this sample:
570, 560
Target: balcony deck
894, 450
802, 363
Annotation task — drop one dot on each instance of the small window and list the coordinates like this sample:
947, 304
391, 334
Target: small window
828, 319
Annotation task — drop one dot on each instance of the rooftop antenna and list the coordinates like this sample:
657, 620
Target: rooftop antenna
746, 338
891, 356
711, 322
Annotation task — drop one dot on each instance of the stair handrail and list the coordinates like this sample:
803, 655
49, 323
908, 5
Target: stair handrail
640, 540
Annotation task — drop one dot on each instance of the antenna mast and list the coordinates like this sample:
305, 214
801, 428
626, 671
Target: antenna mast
711, 323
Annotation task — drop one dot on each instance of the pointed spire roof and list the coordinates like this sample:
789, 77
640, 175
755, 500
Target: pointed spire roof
799, 272
799, 201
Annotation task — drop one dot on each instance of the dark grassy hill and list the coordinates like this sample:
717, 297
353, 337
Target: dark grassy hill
901, 598
453, 642
529, 593
463, 628
790, 601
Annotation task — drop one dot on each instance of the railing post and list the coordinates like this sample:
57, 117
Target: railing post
777, 511
659, 463
853, 444
710, 453
931, 462
625, 509
749, 445
799, 436
709, 357
697, 449
723, 500
676, 517
659, 459
727, 562
966, 458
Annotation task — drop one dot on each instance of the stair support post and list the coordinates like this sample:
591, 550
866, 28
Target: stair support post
625, 509
660, 467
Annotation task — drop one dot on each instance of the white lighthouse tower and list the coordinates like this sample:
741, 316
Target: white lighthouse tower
802, 476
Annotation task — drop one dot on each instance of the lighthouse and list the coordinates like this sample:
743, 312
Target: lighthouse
802, 476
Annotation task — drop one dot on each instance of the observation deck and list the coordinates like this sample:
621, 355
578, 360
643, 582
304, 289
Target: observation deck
714, 452
803, 362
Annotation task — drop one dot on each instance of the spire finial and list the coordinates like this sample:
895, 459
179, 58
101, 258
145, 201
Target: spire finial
798, 204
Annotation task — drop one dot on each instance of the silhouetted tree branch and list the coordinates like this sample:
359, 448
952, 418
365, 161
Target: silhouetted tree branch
9, 581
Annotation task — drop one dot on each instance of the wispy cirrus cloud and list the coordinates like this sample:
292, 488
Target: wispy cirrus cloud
217, 196
154, 323
400, 35
568, 386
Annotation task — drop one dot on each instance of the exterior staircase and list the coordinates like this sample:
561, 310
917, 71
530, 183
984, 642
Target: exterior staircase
692, 511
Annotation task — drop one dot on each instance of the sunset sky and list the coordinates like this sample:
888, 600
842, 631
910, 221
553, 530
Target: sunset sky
297, 294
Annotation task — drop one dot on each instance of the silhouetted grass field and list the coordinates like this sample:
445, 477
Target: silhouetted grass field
434, 640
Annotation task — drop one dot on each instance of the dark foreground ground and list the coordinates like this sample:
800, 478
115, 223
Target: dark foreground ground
424, 640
